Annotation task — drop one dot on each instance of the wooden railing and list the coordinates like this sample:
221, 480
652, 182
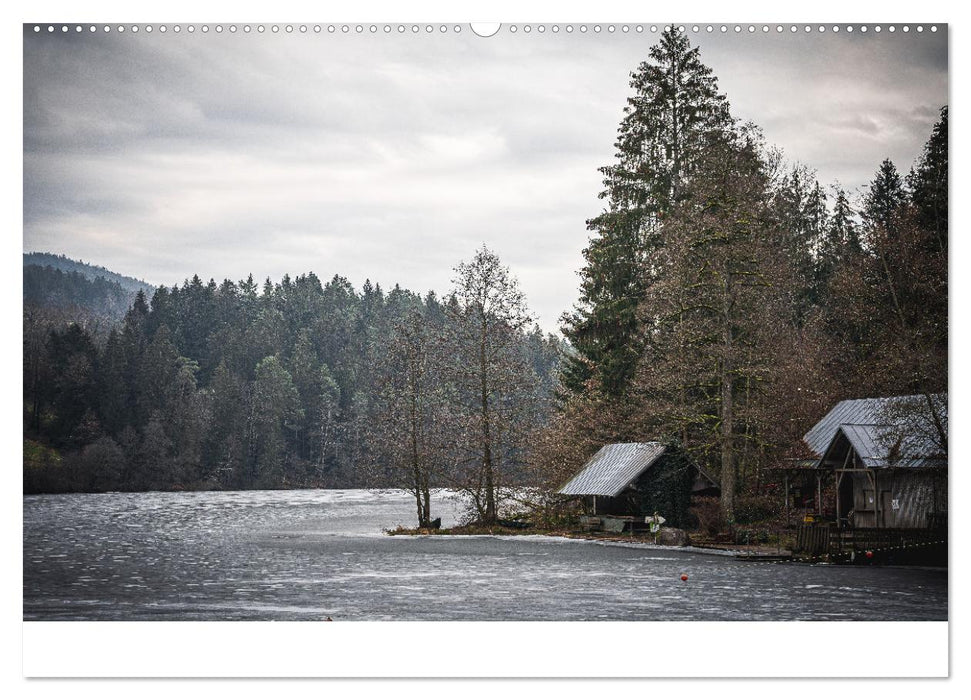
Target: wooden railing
875, 539
819, 539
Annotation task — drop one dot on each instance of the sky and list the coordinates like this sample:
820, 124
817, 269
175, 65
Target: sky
393, 157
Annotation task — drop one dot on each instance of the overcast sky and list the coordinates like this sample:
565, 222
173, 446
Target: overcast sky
393, 157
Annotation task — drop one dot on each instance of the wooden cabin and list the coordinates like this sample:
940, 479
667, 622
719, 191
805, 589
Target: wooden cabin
884, 462
638, 479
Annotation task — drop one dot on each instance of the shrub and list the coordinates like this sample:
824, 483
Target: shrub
707, 513
756, 508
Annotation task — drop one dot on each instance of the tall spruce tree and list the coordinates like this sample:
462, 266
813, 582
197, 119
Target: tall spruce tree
927, 182
840, 242
799, 209
667, 123
274, 410
884, 197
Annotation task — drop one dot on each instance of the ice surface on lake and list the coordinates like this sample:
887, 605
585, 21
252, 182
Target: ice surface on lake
306, 555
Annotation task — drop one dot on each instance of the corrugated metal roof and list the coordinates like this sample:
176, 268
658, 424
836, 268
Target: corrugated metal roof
852, 412
613, 469
875, 429
865, 440
874, 444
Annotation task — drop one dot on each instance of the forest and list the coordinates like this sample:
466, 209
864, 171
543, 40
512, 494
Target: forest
727, 300
294, 384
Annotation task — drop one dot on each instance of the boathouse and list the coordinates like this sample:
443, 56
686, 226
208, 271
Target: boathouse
634, 480
880, 472
887, 459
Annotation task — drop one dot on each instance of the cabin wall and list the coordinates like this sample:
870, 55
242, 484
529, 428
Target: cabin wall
605, 505
907, 499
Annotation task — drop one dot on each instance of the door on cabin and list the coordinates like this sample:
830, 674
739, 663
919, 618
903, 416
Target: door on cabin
888, 514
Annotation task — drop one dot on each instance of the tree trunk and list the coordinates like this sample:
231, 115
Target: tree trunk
416, 463
426, 497
490, 509
727, 417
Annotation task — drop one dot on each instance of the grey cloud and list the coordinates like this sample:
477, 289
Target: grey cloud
392, 158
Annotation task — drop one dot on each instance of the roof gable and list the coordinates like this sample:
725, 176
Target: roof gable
613, 468
896, 431
871, 423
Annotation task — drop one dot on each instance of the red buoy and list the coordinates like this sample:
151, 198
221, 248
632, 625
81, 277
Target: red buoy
684, 577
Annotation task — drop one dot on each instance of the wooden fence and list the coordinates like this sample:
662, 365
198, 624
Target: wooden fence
825, 539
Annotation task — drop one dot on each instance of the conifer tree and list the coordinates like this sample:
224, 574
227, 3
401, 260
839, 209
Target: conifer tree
799, 210
928, 180
884, 197
224, 447
675, 109
274, 410
840, 242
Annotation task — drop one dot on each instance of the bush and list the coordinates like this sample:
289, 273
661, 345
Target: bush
708, 515
756, 509
44, 470
751, 536
100, 465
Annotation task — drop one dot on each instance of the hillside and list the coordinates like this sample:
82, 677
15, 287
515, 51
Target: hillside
78, 290
91, 272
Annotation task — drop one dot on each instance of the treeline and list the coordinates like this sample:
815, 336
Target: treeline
729, 299
293, 384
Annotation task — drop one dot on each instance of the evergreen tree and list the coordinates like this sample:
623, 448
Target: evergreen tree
274, 410
225, 443
318, 396
112, 386
73, 399
840, 244
801, 219
884, 197
675, 109
928, 182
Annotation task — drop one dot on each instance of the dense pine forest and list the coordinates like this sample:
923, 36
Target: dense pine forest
727, 300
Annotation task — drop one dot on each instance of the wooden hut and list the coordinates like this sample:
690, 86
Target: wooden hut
887, 460
637, 479
882, 465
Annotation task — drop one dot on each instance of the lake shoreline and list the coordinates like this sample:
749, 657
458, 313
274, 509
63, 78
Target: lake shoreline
755, 553
763, 552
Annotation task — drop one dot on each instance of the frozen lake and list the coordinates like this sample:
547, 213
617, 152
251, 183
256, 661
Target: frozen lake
306, 555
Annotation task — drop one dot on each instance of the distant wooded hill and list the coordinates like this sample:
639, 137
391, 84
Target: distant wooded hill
91, 272
60, 285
